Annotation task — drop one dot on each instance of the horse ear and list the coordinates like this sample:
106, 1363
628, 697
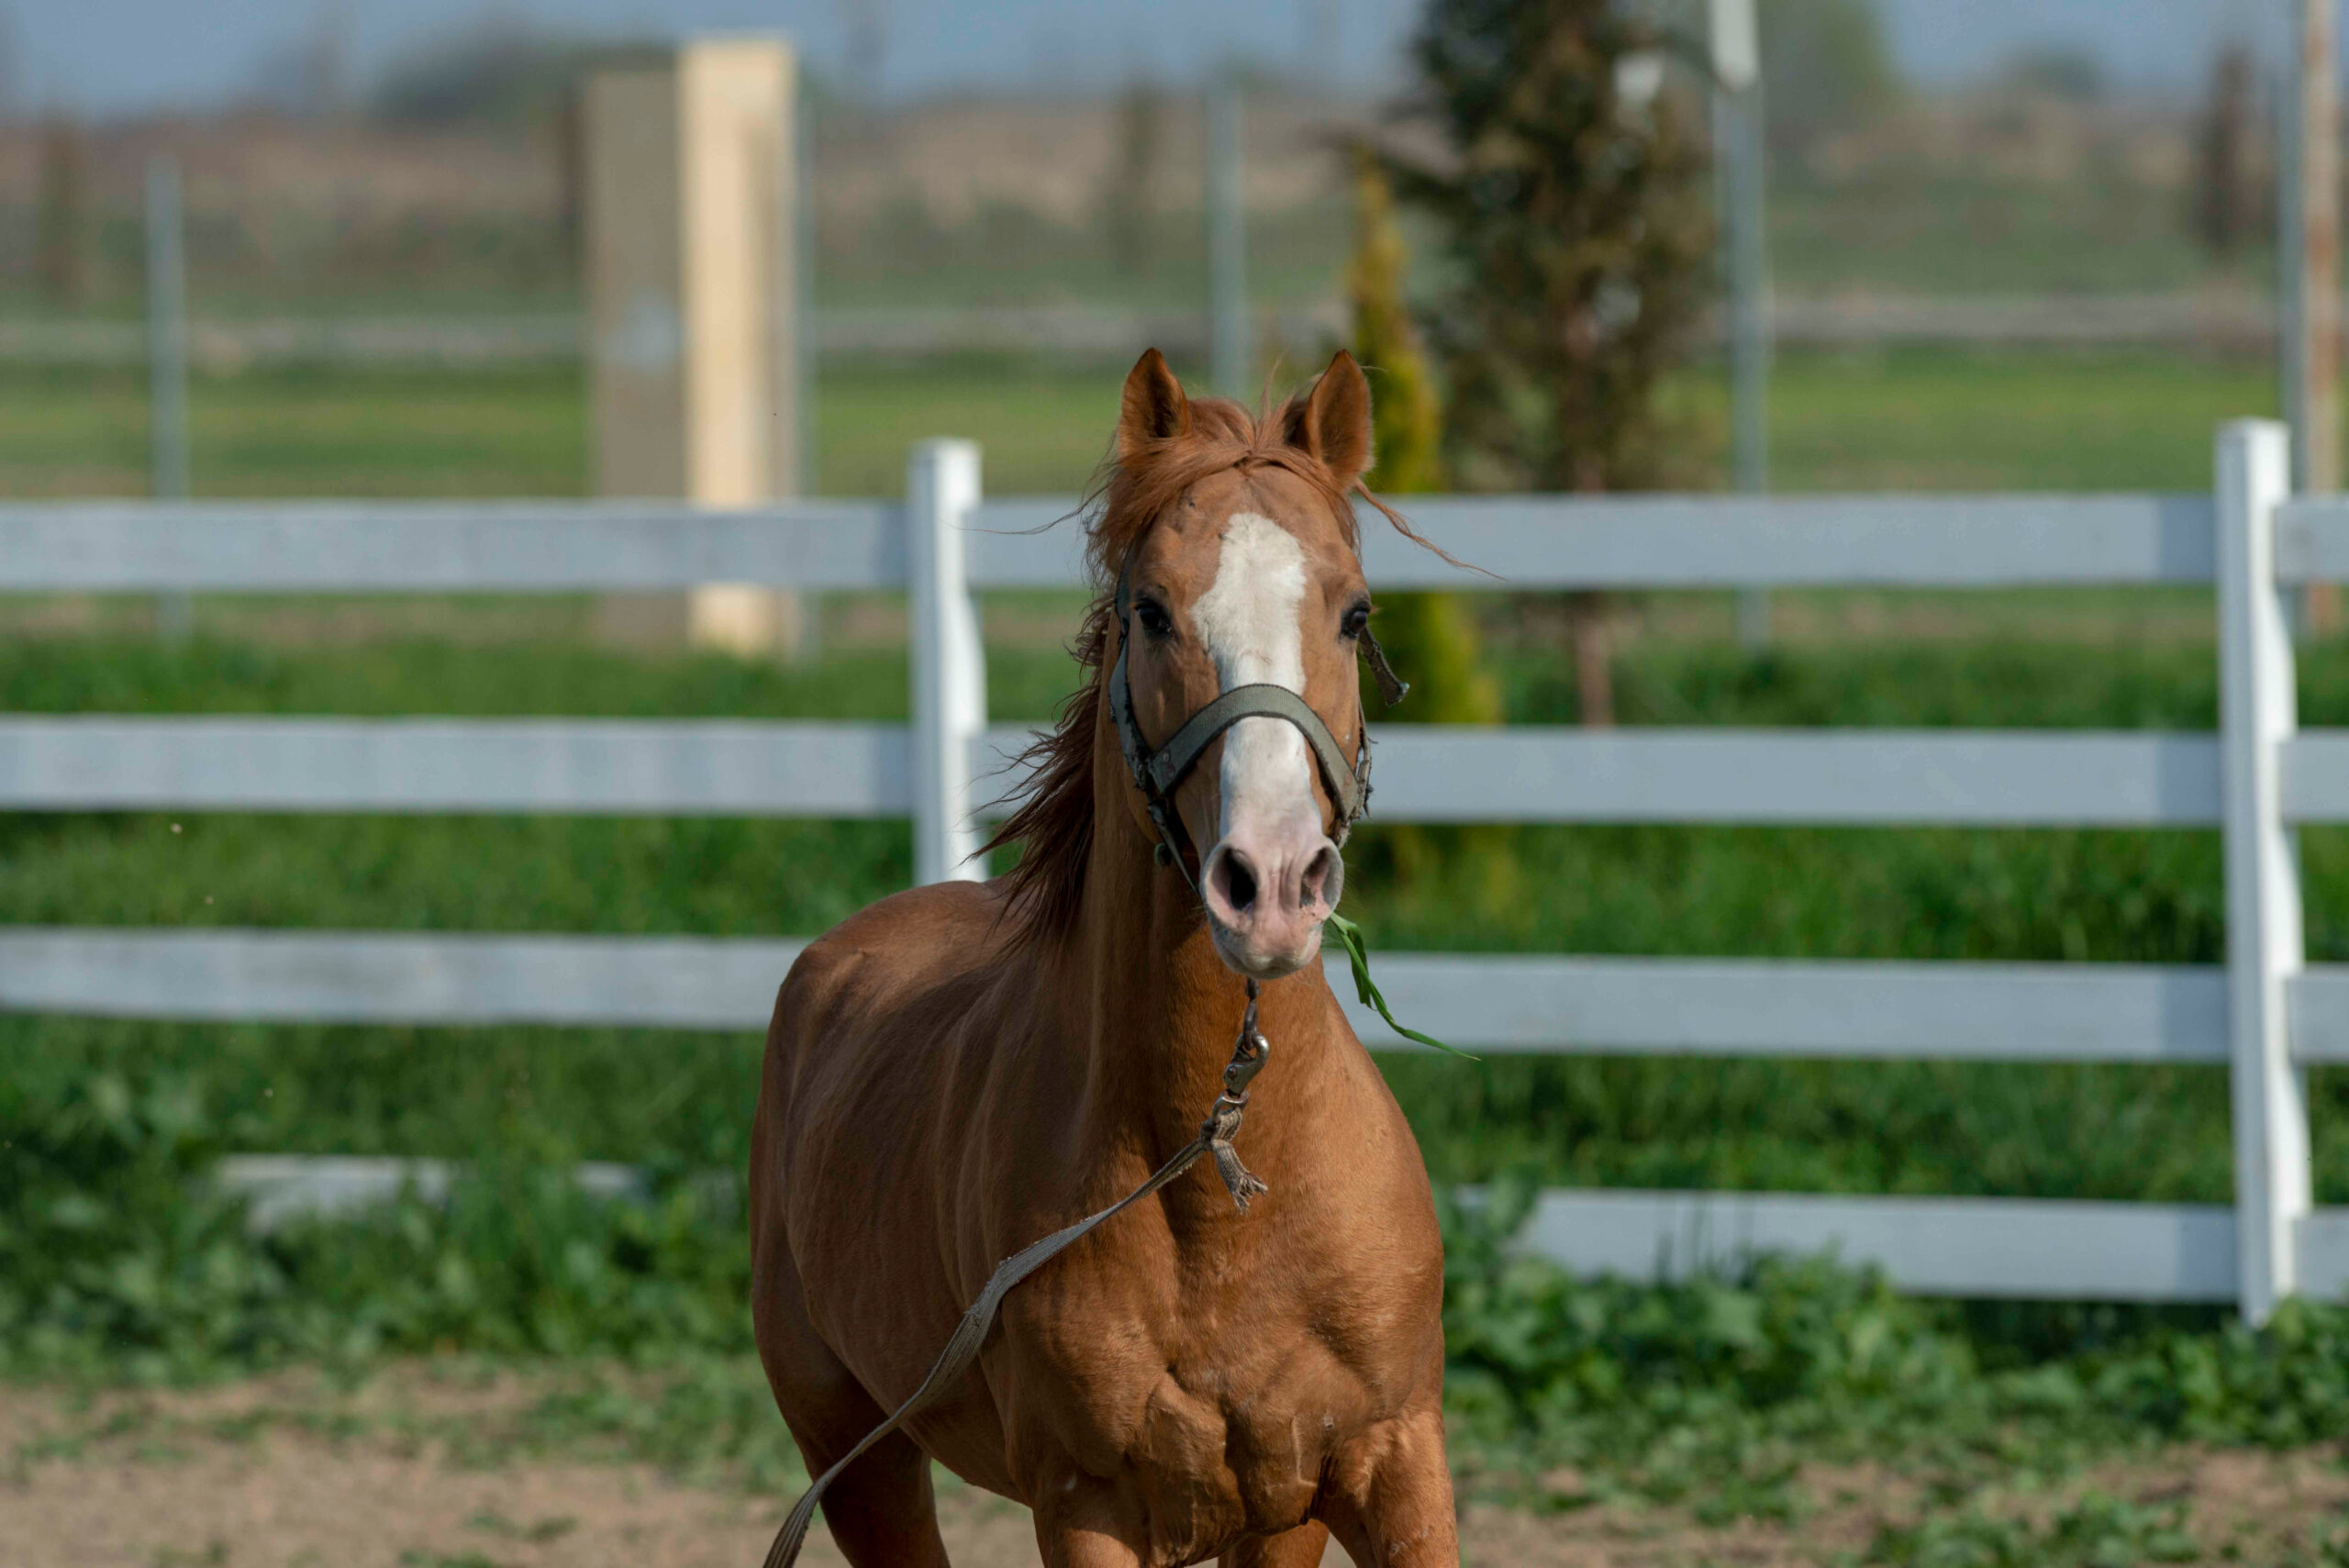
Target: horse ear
1154, 408
1332, 421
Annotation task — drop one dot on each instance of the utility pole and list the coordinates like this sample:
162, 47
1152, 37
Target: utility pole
1231, 357
1739, 152
2311, 252
167, 364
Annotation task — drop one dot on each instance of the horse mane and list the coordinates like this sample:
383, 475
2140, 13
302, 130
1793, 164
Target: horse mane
1052, 823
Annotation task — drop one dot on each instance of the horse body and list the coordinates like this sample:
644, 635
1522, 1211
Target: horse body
944, 1085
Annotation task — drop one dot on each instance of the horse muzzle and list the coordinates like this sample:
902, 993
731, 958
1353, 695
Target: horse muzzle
1267, 889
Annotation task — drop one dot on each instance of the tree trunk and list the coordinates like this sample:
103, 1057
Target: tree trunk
1594, 649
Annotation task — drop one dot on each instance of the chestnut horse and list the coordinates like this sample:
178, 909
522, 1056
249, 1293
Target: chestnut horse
963, 1068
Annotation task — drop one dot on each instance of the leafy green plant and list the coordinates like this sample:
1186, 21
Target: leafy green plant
2096, 1532
117, 1255
110, 1249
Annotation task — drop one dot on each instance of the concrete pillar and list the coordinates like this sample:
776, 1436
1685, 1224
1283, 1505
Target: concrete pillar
689, 219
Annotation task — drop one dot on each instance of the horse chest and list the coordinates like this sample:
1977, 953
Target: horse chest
1213, 1431
1206, 1453
1257, 1359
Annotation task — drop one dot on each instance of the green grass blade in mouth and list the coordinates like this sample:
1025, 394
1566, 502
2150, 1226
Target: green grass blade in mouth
1358, 954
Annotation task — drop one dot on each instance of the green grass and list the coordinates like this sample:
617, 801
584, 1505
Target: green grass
138, 675
901, 258
1911, 229
1905, 231
105, 1262
388, 433
1906, 420
2100, 896
1935, 420
1710, 1394
1040, 430
115, 1262
1936, 233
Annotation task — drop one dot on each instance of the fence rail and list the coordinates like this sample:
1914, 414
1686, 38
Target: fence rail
1517, 541
1490, 1002
677, 768
1983, 1247
682, 767
2265, 1014
440, 547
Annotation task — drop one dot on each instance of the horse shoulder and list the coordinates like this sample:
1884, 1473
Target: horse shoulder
858, 1103
882, 958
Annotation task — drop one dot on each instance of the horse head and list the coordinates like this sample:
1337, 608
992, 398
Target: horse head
1240, 609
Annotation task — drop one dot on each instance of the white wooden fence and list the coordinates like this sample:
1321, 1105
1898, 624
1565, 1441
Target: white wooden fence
2265, 1012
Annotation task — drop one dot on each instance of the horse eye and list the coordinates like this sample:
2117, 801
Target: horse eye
1356, 622
1154, 617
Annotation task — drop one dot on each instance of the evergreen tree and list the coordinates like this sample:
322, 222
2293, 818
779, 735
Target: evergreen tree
1578, 214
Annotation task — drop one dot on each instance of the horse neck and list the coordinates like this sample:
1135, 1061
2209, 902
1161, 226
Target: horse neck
1162, 1011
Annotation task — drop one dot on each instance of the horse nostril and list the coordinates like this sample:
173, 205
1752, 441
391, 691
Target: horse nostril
1322, 874
1239, 879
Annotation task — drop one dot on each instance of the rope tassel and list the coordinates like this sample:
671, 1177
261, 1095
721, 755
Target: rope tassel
1222, 1125
1243, 1182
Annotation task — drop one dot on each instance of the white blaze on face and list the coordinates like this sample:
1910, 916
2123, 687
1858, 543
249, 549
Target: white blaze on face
1249, 619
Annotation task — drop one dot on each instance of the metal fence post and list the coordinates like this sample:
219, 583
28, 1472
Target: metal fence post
2257, 713
1231, 349
167, 364
950, 689
1741, 152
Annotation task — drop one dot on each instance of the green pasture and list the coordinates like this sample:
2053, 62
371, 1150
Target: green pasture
2098, 897
1906, 420
1906, 228
1913, 232
116, 1261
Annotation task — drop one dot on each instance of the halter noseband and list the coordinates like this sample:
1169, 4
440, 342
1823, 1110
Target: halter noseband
1157, 772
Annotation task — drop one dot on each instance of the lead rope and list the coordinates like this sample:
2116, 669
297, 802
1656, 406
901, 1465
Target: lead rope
962, 1351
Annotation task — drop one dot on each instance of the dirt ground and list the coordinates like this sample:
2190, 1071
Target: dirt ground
288, 1471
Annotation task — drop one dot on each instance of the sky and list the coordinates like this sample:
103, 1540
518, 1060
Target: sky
125, 56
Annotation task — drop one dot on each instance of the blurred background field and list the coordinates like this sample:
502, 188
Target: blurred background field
1925, 417
2010, 279
2017, 275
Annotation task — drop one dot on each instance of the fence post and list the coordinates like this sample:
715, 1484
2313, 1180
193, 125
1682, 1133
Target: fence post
1231, 347
1740, 157
2257, 713
167, 364
949, 665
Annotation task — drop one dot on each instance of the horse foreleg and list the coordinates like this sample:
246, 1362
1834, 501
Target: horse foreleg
881, 1511
1303, 1547
1084, 1523
1390, 1498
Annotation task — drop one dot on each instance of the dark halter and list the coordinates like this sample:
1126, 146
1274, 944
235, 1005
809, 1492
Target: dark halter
1157, 772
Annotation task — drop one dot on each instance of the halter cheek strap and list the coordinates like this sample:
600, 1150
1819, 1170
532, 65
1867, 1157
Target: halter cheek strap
1157, 770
